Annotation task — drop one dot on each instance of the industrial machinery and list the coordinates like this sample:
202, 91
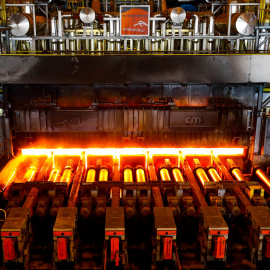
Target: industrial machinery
134, 134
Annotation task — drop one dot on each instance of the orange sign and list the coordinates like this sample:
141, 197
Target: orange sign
134, 20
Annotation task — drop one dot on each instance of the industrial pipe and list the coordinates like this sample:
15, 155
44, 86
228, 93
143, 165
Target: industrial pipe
242, 23
23, 23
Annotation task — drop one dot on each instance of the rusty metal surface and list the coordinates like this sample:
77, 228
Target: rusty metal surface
66, 219
16, 219
54, 69
213, 218
115, 219
164, 219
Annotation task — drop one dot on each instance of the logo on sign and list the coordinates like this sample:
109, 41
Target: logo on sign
141, 23
193, 119
134, 20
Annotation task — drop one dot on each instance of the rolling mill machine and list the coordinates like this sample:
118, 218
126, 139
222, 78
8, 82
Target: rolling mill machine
134, 134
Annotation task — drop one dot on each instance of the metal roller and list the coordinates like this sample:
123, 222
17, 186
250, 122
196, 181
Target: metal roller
128, 176
263, 176
164, 174
242, 23
103, 175
238, 174
66, 177
234, 170
91, 175
31, 172
54, 175
214, 175
22, 24
177, 15
202, 176
29, 176
140, 175
87, 15
177, 175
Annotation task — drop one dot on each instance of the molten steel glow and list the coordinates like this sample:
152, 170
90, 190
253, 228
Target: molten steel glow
9, 180
66, 176
128, 176
164, 174
214, 175
103, 175
116, 152
54, 175
202, 176
91, 175
37, 152
29, 175
263, 177
178, 177
238, 174
140, 175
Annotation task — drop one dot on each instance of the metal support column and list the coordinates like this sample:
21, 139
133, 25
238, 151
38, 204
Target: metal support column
257, 141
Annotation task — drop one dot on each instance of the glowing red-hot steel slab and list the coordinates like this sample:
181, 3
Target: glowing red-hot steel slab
177, 175
133, 151
164, 174
91, 175
128, 176
214, 175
